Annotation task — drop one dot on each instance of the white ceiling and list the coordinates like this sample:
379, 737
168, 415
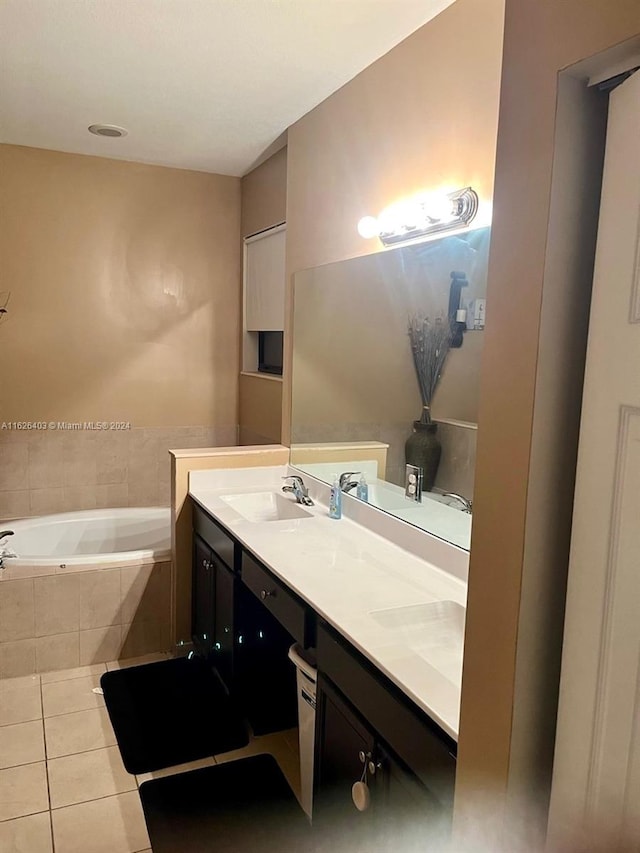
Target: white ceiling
199, 84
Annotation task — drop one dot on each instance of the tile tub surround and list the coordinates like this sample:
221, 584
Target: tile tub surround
44, 471
65, 783
66, 618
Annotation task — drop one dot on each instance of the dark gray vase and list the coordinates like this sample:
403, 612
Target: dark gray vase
423, 449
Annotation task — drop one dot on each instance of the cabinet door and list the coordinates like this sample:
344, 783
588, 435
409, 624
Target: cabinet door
264, 677
202, 610
223, 621
342, 741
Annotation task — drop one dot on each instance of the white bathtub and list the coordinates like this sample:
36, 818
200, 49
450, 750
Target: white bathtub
86, 587
76, 541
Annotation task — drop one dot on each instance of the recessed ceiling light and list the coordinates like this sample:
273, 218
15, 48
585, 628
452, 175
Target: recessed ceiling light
107, 130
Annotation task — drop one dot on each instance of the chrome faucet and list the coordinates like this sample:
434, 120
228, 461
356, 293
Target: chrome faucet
346, 484
466, 503
3, 535
298, 489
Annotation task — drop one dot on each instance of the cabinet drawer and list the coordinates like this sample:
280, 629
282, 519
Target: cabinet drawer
415, 739
287, 609
215, 536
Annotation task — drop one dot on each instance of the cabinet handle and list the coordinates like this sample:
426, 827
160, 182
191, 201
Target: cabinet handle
267, 594
206, 564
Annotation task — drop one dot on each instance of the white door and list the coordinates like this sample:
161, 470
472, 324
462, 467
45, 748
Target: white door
596, 782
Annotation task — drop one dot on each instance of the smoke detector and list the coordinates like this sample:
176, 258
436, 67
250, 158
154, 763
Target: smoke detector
110, 130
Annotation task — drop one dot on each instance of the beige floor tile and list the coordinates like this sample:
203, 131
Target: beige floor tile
111, 825
76, 672
21, 681
88, 776
75, 694
30, 834
81, 731
127, 662
20, 703
23, 791
179, 768
22, 743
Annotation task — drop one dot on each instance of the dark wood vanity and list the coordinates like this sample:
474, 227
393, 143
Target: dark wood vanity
244, 620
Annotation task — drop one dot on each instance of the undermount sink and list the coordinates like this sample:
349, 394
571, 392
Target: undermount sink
434, 631
265, 506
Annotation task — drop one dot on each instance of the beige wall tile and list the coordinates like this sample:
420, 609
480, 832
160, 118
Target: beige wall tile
145, 591
20, 703
16, 610
23, 791
76, 672
74, 694
79, 470
112, 495
58, 651
88, 776
22, 743
101, 826
100, 599
111, 459
144, 638
44, 501
17, 658
14, 504
143, 487
81, 731
100, 644
77, 498
30, 834
57, 601
14, 463
45, 462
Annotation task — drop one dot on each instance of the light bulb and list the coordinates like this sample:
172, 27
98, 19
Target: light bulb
368, 227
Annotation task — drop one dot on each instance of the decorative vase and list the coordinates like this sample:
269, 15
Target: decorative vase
423, 449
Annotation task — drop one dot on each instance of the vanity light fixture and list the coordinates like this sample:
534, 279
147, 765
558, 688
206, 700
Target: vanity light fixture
420, 216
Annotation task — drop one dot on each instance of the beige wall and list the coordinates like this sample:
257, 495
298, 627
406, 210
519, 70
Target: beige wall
260, 409
264, 194
422, 116
125, 290
529, 413
264, 204
125, 294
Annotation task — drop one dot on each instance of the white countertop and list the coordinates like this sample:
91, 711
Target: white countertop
345, 571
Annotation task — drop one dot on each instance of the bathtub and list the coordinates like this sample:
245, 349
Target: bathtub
97, 537
85, 588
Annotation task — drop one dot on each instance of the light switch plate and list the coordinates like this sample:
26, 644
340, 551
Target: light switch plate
413, 483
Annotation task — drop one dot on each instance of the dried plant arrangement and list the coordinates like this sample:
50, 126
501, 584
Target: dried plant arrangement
430, 343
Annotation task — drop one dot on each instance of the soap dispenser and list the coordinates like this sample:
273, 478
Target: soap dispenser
363, 489
335, 499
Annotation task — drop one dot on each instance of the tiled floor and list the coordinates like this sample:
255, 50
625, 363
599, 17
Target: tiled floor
63, 787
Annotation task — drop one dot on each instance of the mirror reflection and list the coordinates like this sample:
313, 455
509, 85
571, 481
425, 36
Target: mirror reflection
359, 403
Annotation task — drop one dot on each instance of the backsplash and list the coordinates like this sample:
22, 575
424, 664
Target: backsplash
43, 471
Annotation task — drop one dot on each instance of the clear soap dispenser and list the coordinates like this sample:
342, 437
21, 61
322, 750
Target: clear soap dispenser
363, 489
335, 499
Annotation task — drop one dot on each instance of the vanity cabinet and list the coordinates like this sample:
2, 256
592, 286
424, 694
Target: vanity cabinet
243, 623
413, 762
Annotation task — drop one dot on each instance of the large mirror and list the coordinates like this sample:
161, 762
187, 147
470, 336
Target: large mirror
356, 393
